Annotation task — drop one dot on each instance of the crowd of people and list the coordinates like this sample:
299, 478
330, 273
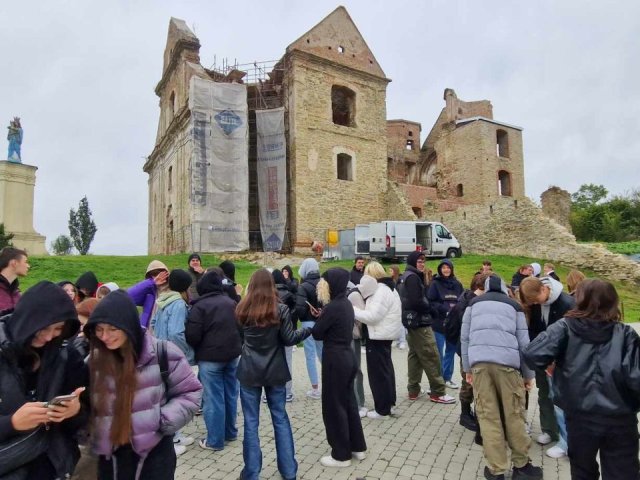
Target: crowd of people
121, 372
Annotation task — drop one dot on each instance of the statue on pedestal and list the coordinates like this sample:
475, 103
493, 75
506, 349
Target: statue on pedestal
15, 140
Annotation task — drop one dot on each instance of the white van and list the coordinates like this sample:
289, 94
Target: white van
397, 239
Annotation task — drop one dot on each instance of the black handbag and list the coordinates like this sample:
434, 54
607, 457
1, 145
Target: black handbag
412, 319
21, 450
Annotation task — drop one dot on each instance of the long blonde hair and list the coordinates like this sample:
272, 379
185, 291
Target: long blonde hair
375, 270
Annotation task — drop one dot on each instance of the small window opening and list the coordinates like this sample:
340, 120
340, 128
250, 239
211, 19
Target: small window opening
170, 179
459, 111
340, 49
409, 145
343, 106
345, 167
172, 103
410, 133
502, 143
417, 211
504, 183
459, 190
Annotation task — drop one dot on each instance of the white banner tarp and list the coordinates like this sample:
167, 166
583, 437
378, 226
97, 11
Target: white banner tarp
272, 177
220, 167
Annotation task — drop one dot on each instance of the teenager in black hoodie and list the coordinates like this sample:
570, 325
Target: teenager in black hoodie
339, 406
596, 382
35, 367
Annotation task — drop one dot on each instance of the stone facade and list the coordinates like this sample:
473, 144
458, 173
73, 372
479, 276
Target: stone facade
403, 151
518, 227
17, 183
556, 204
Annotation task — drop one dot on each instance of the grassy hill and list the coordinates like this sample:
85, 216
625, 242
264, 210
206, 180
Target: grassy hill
126, 271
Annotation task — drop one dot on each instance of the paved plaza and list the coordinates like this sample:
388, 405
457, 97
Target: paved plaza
423, 441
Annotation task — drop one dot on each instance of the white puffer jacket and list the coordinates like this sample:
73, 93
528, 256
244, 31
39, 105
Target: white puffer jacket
382, 314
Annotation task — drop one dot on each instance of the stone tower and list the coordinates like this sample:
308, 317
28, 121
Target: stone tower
470, 156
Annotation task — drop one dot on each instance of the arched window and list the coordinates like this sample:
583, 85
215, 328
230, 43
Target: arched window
343, 106
345, 167
459, 190
502, 143
504, 183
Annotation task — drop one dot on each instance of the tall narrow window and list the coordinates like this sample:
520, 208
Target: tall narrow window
502, 143
172, 103
504, 183
459, 190
170, 178
409, 145
345, 167
343, 106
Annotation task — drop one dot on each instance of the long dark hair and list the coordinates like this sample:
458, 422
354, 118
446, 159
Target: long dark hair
120, 365
596, 300
259, 307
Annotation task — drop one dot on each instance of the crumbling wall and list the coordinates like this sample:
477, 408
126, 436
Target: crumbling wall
396, 206
556, 204
520, 228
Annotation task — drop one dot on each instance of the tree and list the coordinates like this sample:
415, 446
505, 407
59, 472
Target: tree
5, 237
62, 245
82, 229
588, 195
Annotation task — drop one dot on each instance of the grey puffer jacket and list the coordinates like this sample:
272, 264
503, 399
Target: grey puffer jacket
494, 330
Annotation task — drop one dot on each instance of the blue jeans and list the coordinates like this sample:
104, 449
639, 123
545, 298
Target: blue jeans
562, 424
447, 355
251, 453
220, 400
312, 349
288, 353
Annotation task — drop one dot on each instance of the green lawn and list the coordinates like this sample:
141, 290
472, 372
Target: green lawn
126, 271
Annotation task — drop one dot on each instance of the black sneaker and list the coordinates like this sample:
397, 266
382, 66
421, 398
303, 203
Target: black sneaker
478, 439
528, 472
469, 422
490, 476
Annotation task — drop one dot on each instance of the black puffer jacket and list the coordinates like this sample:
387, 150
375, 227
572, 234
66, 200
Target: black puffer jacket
61, 371
285, 296
307, 293
263, 362
597, 366
443, 295
211, 327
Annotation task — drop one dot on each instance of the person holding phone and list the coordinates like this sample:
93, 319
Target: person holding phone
36, 430
135, 409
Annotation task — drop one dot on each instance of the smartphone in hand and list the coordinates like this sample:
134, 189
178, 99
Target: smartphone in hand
59, 399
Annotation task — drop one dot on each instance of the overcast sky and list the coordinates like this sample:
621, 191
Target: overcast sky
81, 74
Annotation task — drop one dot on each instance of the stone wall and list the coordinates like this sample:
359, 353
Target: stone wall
403, 150
396, 206
556, 204
518, 227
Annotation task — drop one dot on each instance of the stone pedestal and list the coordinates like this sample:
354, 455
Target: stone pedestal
17, 182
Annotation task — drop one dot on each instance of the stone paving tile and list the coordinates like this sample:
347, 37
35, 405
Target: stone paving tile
423, 441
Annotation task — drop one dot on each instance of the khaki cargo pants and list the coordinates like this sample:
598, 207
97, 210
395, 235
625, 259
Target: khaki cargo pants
499, 397
423, 355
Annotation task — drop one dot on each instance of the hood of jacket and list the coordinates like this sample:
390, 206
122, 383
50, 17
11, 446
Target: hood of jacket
495, 284
536, 269
209, 283
412, 258
367, 286
555, 289
229, 269
88, 281
450, 281
288, 269
388, 281
41, 306
167, 298
337, 278
118, 310
309, 265
591, 331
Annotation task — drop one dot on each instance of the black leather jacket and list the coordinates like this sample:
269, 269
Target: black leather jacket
262, 361
557, 309
597, 366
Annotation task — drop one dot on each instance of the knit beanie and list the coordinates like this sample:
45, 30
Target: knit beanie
179, 280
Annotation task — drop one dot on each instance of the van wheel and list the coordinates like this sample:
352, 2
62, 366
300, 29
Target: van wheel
452, 253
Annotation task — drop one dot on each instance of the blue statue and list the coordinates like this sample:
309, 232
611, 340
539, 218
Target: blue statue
15, 140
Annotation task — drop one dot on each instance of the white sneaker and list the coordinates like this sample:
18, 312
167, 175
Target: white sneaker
452, 384
294, 349
362, 412
359, 455
314, 393
180, 449
556, 452
184, 441
543, 439
448, 399
402, 345
527, 427
394, 411
375, 415
329, 461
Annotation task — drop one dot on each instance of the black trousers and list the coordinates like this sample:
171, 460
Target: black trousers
617, 444
160, 464
382, 377
339, 405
